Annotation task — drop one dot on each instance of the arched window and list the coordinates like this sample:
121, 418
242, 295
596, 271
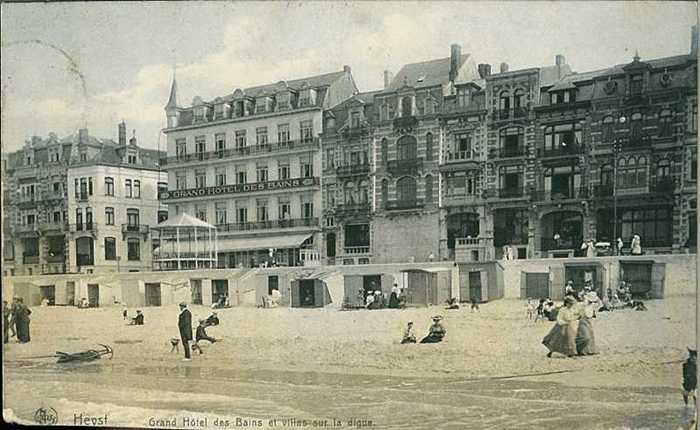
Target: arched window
428, 189
406, 106
385, 192
511, 142
606, 175
349, 193
608, 130
429, 106
406, 147
385, 150
665, 123
406, 189
519, 98
636, 124
429, 146
364, 191
504, 100
663, 169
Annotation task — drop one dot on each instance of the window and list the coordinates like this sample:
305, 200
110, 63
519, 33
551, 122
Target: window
132, 217
83, 156
429, 104
355, 120
429, 146
220, 173
428, 189
241, 175
77, 188
261, 210
406, 147
110, 248
88, 218
181, 180
261, 171
663, 169
283, 135
283, 101
464, 146
665, 123
180, 149
109, 186
241, 139
385, 192
200, 147
459, 184
407, 106
242, 215
636, 82
89, 186
57, 217
163, 215
57, 188
78, 219
694, 166
606, 175
220, 140
307, 170
563, 137
519, 98
349, 193
330, 196
284, 209
261, 136
133, 249
109, 216
632, 172
406, 189
200, 212
220, 208
636, 124
283, 170
137, 189
219, 111
307, 131
261, 104
504, 101
608, 130
162, 187
199, 113
128, 190
307, 210
385, 150
511, 179
131, 158
654, 226
200, 178
356, 235
694, 119
463, 97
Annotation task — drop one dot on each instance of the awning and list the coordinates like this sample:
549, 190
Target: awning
428, 269
250, 244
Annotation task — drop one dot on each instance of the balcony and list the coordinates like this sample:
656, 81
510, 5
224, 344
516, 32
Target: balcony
85, 227
603, 191
53, 195
350, 209
455, 108
405, 167
508, 152
24, 229
47, 227
354, 250
562, 151
509, 114
219, 154
561, 243
404, 204
56, 258
268, 225
510, 193
28, 201
632, 142
30, 259
405, 123
135, 229
663, 185
353, 169
558, 195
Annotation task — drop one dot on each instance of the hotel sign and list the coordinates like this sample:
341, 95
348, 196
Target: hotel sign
284, 184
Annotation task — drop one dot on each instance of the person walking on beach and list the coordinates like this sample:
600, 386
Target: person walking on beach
562, 337
690, 378
21, 318
585, 337
184, 325
394, 297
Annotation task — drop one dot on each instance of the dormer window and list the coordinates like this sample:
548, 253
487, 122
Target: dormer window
220, 111
263, 104
131, 157
284, 101
463, 98
355, 120
200, 113
636, 82
238, 109
307, 97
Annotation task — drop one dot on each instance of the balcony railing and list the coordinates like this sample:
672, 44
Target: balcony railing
562, 243
241, 152
513, 113
404, 204
135, 228
506, 193
469, 241
53, 226
352, 208
562, 151
89, 227
56, 258
605, 190
268, 225
352, 169
353, 250
407, 167
556, 195
53, 195
508, 152
30, 259
163, 255
25, 228
405, 122
663, 185
640, 141
460, 156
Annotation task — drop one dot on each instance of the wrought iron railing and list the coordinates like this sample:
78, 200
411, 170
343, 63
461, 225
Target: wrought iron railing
241, 151
407, 166
267, 225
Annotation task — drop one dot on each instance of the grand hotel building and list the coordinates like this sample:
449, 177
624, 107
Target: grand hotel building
249, 163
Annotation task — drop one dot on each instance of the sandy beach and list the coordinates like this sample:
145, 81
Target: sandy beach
348, 369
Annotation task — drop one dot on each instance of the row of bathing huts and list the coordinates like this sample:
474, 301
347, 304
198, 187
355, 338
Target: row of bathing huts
423, 284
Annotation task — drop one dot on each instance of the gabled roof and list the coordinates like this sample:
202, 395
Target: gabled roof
184, 220
425, 74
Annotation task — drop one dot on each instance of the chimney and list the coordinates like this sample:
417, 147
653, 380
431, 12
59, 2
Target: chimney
122, 133
694, 41
559, 60
455, 57
387, 78
346, 69
83, 136
504, 67
484, 70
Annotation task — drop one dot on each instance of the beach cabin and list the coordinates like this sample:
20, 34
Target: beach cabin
356, 287
428, 286
483, 281
646, 277
309, 293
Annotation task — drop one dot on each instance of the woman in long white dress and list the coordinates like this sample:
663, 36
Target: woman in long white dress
562, 337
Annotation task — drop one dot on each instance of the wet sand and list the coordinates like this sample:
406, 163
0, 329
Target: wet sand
337, 366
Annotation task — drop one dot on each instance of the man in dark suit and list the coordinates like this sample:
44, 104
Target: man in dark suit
184, 324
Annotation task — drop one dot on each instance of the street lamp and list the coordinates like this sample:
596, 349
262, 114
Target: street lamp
617, 147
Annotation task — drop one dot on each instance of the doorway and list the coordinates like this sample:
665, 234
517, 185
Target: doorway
70, 293
370, 284
219, 290
196, 287
48, 292
153, 295
475, 286
93, 295
536, 285
306, 293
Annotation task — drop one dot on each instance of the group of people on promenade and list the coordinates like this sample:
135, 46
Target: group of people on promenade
15, 320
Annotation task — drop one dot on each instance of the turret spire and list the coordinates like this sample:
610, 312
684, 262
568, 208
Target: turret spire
172, 100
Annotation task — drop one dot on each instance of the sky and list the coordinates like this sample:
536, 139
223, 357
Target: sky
71, 65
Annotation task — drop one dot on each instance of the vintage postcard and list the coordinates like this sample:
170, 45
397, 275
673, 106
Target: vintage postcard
350, 215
